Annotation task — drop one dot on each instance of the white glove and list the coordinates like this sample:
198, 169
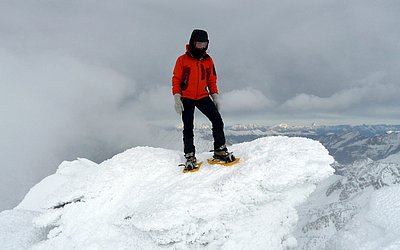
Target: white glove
215, 98
178, 103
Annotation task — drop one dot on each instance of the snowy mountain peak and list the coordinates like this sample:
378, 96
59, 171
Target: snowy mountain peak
392, 132
140, 199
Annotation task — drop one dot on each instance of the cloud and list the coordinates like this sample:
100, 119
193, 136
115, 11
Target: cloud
368, 92
56, 107
245, 100
155, 103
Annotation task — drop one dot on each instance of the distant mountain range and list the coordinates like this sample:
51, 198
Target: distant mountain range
345, 143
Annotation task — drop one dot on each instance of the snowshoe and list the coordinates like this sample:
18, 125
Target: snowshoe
223, 157
213, 161
191, 164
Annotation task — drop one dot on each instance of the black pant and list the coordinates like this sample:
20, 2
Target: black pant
207, 107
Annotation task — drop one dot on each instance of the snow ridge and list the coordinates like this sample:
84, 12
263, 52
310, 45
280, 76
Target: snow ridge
140, 199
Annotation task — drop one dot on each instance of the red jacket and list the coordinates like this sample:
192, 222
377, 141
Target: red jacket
192, 78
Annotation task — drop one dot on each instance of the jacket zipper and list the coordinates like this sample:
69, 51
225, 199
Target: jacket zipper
198, 80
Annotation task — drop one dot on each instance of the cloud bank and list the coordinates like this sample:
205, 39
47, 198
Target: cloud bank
245, 100
370, 92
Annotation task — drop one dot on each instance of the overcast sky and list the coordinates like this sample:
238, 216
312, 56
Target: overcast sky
86, 78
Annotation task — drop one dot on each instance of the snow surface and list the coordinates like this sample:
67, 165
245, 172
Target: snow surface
17, 230
360, 210
140, 199
377, 226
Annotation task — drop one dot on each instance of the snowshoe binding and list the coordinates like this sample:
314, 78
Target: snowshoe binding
223, 157
191, 164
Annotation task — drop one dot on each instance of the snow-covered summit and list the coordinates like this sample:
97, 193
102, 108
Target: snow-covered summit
140, 199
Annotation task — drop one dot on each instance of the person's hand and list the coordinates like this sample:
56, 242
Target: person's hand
215, 98
178, 103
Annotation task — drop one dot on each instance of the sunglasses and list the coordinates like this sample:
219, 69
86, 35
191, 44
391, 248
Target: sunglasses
200, 45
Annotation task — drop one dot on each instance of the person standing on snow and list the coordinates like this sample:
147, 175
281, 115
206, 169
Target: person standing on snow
194, 81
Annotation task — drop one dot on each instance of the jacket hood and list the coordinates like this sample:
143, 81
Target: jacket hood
199, 36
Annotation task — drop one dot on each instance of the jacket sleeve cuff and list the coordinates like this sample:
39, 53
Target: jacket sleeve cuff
175, 91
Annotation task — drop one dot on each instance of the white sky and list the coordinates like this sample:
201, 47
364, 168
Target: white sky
85, 78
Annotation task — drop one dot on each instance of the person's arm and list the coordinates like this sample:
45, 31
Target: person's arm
177, 77
212, 85
212, 79
176, 86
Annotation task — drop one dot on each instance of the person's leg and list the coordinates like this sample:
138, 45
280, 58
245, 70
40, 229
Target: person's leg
207, 107
188, 118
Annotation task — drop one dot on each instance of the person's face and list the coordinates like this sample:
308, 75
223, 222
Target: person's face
200, 45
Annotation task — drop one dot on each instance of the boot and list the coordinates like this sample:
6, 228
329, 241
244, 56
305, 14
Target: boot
222, 154
190, 164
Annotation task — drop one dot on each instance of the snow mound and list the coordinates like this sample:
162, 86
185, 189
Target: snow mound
140, 199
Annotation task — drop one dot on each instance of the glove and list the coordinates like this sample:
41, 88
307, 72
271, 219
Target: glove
215, 98
178, 103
